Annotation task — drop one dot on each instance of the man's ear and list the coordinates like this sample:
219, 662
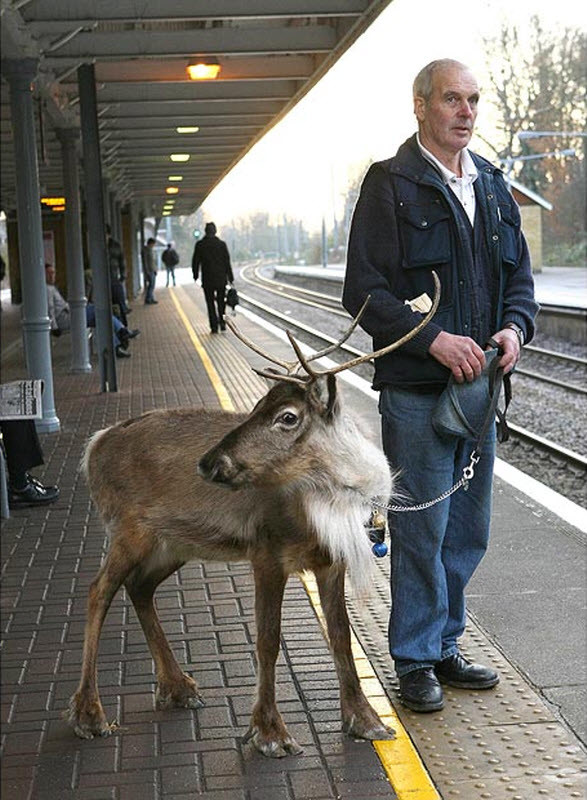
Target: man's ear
420, 108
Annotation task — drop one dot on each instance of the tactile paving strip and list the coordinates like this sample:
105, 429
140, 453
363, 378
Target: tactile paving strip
501, 744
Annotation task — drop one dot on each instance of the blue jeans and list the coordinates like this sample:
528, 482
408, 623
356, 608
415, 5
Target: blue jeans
91, 322
150, 278
436, 551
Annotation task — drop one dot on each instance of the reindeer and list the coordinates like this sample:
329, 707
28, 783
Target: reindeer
304, 478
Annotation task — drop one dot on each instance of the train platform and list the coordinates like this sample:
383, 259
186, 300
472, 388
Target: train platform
524, 740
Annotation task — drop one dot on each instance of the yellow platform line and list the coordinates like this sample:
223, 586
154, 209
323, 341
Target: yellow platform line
403, 766
225, 402
405, 770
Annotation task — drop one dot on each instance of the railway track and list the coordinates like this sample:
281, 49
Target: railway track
574, 368
545, 366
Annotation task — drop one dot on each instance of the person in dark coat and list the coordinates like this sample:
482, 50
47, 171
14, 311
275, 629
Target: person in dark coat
171, 259
211, 260
436, 206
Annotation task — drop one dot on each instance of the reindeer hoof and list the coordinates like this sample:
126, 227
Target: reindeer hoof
88, 719
272, 747
373, 730
182, 694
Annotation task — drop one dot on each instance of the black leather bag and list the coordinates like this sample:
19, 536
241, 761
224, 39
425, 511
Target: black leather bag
466, 410
232, 298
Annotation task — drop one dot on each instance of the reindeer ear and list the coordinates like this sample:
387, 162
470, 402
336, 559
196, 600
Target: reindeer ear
323, 395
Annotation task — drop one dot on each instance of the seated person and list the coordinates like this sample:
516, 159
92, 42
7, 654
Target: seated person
23, 451
60, 316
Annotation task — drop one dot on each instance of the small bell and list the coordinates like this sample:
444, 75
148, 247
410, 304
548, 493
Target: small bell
376, 532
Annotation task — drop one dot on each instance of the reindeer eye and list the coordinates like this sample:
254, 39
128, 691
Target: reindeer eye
288, 418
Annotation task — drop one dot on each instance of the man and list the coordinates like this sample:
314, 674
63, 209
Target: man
149, 271
117, 268
170, 258
211, 256
60, 316
437, 206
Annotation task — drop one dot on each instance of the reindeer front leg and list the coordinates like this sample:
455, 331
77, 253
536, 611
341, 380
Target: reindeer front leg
358, 718
267, 730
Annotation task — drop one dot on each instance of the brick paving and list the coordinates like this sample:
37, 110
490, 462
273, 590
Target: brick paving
50, 556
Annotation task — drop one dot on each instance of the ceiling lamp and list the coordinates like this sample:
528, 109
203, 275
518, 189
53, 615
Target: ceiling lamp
203, 68
171, 190
175, 177
187, 129
180, 156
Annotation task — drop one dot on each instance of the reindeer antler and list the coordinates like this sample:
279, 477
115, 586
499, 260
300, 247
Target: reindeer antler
302, 361
394, 345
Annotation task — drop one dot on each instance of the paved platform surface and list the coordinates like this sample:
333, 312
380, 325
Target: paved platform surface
511, 744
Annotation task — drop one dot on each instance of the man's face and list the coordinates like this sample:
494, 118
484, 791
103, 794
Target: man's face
448, 118
50, 275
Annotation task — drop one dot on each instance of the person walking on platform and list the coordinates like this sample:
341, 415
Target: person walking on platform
212, 258
171, 259
149, 271
117, 268
437, 206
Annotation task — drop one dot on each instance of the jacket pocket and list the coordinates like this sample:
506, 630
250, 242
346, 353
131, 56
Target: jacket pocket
508, 234
425, 234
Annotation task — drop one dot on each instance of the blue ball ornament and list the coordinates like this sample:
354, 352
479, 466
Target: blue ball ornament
380, 549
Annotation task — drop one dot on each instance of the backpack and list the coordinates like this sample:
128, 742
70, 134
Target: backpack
170, 258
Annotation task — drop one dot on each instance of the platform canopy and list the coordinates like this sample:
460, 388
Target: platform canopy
270, 53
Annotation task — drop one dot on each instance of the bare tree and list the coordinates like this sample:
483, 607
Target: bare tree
537, 83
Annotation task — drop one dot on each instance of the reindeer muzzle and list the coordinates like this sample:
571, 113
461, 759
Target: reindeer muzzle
218, 469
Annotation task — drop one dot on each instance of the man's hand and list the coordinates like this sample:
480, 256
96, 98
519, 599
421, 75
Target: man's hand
510, 344
460, 354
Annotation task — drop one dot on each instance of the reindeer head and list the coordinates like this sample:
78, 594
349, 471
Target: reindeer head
293, 433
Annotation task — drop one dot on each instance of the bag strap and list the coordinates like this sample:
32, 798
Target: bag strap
496, 380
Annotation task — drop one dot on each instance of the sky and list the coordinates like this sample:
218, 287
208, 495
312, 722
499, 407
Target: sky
361, 110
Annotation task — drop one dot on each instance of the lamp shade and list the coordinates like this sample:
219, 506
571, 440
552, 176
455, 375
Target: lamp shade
203, 68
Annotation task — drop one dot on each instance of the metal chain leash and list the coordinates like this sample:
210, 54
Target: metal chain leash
468, 473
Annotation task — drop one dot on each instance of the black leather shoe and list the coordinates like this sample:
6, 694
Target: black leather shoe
420, 690
33, 494
457, 671
120, 353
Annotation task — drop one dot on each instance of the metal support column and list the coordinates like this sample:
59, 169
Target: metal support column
20, 73
135, 250
76, 291
97, 227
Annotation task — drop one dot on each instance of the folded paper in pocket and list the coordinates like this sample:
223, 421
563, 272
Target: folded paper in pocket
421, 303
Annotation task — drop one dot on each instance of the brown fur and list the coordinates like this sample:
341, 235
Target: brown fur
160, 513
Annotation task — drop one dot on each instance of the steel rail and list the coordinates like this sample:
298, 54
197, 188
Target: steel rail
332, 305
562, 453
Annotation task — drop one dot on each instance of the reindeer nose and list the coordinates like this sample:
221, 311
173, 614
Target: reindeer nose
218, 469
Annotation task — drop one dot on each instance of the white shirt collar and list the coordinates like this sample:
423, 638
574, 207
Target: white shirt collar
468, 168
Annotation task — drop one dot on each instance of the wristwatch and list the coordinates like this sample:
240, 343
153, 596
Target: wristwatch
519, 332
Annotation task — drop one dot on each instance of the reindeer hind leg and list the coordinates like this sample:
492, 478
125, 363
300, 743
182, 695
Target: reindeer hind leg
85, 713
174, 687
